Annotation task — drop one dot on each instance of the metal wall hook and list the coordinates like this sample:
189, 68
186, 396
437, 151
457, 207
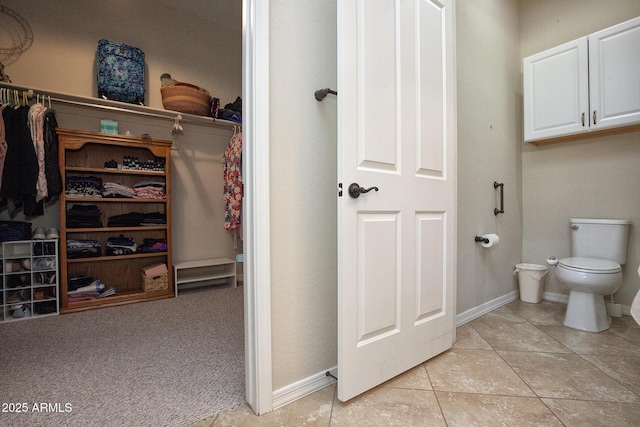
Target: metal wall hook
322, 93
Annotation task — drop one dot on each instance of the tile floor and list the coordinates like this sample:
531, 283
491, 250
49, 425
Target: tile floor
515, 366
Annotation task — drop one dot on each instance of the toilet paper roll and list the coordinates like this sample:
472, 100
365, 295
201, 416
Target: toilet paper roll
493, 240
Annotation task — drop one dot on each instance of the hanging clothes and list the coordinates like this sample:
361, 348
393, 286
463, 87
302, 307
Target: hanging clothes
29, 169
52, 168
233, 186
36, 125
20, 173
3, 144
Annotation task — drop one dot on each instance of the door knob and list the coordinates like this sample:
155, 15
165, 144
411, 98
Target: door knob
355, 190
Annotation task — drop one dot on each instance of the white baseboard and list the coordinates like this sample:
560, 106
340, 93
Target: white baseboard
305, 386
478, 311
553, 297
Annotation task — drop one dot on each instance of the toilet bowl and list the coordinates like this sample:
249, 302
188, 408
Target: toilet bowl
594, 269
588, 280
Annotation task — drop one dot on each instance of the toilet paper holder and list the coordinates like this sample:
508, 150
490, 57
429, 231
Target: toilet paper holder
481, 239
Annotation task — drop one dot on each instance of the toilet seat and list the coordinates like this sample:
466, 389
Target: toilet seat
590, 265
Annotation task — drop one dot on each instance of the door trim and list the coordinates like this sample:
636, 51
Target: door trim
256, 223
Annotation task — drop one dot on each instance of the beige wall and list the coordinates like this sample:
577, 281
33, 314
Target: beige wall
303, 189
62, 59
65, 38
489, 131
591, 178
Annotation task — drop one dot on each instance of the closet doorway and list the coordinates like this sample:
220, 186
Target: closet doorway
255, 173
256, 208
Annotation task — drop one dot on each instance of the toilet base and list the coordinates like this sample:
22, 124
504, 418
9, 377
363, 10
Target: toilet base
586, 312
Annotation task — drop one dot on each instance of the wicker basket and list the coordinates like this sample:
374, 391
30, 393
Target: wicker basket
186, 98
156, 283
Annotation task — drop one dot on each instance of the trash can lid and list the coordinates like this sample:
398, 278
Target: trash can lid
590, 264
536, 267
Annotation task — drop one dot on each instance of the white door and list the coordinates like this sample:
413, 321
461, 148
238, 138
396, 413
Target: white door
396, 131
614, 75
556, 91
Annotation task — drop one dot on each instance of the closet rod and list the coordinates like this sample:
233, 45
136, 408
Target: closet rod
106, 104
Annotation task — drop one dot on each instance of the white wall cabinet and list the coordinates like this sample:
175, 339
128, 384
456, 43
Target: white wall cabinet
586, 85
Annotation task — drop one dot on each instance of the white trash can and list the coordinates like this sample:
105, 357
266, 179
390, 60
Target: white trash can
531, 281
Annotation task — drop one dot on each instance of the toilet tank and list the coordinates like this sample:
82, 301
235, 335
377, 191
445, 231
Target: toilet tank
600, 238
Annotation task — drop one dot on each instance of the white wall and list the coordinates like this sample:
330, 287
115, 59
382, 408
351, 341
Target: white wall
590, 178
303, 189
191, 48
62, 59
488, 148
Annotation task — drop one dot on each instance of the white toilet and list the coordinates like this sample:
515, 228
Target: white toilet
598, 249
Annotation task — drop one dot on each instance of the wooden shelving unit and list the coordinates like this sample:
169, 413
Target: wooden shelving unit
83, 154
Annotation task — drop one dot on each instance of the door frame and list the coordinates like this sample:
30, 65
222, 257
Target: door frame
256, 215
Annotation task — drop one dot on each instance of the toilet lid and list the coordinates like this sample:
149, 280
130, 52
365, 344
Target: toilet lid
590, 264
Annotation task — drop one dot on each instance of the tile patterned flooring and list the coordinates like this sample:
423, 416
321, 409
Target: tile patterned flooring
515, 366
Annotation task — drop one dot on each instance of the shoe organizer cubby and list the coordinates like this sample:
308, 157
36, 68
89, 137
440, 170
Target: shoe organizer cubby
29, 285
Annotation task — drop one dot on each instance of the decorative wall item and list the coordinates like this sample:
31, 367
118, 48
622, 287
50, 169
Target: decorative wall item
16, 37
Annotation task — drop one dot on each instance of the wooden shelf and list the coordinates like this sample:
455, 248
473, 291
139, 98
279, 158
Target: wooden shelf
115, 300
84, 154
116, 257
112, 200
113, 171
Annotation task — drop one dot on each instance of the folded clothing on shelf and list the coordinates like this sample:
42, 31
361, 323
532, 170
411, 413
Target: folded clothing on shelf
83, 248
136, 219
153, 245
84, 216
94, 290
121, 245
113, 189
149, 190
83, 186
76, 282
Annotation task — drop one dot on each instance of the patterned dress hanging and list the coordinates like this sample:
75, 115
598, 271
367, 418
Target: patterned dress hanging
233, 184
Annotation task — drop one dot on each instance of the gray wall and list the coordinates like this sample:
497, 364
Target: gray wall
303, 189
590, 178
489, 139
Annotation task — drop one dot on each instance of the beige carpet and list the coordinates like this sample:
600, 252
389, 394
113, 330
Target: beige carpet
161, 363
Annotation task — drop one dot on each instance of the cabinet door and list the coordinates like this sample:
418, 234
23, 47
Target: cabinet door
556, 85
614, 72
